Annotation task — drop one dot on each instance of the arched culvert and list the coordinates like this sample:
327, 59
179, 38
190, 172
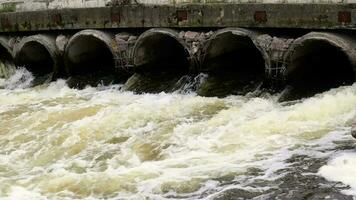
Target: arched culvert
39, 55
234, 63
7, 65
319, 62
90, 57
161, 58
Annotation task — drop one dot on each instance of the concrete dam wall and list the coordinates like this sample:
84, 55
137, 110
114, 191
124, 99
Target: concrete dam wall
157, 48
236, 60
32, 5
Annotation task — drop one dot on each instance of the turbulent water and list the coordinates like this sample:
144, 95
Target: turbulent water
107, 143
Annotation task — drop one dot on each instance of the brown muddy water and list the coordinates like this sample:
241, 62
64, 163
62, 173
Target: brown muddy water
108, 143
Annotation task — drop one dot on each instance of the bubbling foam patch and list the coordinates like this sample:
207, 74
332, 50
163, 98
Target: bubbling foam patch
342, 168
21, 79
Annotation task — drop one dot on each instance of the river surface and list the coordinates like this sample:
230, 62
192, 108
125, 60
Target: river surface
108, 143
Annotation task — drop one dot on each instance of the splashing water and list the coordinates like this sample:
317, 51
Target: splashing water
21, 79
191, 83
105, 143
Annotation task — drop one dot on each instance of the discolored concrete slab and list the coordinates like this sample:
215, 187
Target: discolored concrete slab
279, 15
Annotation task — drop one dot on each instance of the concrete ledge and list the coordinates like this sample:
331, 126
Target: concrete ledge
307, 16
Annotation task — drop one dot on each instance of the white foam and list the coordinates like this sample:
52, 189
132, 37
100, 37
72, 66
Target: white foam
20, 193
107, 143
342, 168
21, 79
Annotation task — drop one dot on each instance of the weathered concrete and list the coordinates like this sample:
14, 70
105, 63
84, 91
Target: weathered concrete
161, 57
61, 42
7, 65
161, 50
229, 41
6, 46
90, 51
319, 61
353, 131
303, 16
31, 5
234, 62
343, 42
39, 54
91, 57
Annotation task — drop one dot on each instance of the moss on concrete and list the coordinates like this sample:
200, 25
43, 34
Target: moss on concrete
8, 7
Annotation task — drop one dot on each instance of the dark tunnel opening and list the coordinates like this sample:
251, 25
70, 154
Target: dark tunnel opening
234, 64
161, 54
35, 58
88, 54
160, 62
317, 66
90, 61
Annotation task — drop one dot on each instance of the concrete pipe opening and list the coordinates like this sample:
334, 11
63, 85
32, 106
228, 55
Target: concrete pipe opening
317, 65
89, 59
7, 65
233, 62
160, 60
38, 54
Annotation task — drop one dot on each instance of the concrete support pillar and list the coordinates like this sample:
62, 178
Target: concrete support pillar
7, 65
276, 49
195, 41
125, 43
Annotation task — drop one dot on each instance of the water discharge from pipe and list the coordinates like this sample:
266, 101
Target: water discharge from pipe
35, 57
59, 142
317, 64
233, 62
161, 59
89, 59
39, 55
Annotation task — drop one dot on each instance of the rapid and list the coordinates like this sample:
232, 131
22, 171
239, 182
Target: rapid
108, 143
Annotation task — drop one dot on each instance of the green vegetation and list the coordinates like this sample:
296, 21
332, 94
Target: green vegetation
8, 7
